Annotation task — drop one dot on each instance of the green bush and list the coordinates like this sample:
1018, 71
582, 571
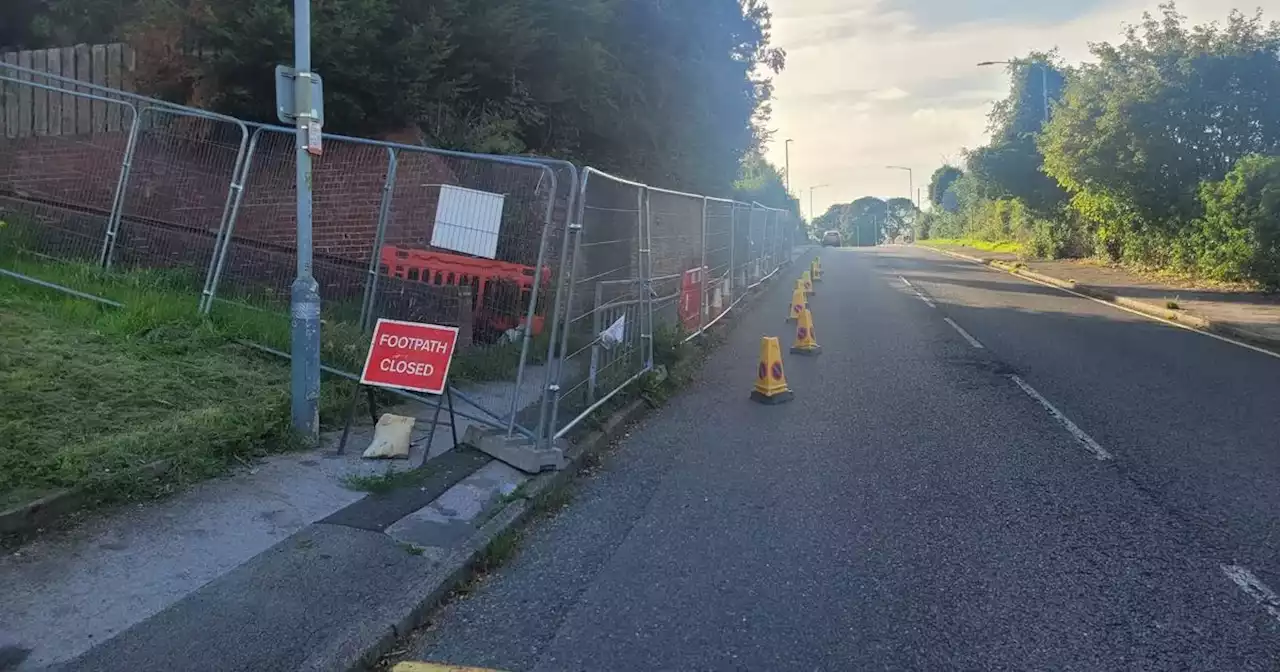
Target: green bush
1238, 238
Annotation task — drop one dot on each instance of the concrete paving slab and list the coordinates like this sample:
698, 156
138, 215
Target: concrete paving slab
440, 526
272, 612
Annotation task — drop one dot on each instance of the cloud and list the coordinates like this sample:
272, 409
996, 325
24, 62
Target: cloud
876, 82
891, 93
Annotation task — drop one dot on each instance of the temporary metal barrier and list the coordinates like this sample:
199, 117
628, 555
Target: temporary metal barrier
649, 263
60, 192
607, 303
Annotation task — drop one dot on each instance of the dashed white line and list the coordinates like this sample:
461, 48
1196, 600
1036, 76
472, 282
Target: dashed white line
1079, 434
913, 288
1255, 588
972, 341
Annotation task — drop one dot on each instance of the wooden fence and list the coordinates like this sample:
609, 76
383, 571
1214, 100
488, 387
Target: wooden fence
29, 110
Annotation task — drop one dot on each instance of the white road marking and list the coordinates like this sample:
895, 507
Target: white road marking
972, 341
913, 288
1255, 588
1085, 440
1126, 309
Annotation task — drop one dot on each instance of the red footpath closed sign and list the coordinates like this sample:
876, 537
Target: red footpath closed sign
410, 356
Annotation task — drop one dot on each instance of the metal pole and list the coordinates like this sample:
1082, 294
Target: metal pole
305, 293
702, 272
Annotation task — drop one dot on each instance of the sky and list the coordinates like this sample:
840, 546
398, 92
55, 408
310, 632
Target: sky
872, 83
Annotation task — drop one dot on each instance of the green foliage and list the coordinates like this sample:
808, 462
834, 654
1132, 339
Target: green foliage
1160, 152
388, 481
863, 221
762, 182
1141, 129
1239, 236
669, 93
940, 182
666, 93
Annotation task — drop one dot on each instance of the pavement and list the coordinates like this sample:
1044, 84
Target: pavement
121, 568
979, 472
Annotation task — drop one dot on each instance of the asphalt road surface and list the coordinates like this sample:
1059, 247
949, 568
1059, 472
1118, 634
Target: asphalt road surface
977, 473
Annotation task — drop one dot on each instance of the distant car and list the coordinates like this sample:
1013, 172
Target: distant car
832, 239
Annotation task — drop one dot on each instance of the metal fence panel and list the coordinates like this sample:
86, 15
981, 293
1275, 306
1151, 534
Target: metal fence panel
257, 262
718, 246
483, 227
606, 291
182, 186
676, 228
58, 193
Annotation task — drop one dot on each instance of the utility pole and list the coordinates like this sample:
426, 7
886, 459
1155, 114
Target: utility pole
304, 295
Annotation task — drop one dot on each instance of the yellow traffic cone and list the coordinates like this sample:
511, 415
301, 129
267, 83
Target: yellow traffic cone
798, 304
813, 271
771, 383
806, 343
817, 268
808, 283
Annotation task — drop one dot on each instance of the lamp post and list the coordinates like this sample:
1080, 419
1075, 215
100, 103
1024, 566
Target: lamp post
911, 182
813, 215
1044, 82
305, 292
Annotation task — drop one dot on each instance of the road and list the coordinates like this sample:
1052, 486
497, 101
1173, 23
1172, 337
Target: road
919, 506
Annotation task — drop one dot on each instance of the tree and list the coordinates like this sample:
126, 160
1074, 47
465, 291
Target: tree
941, 181
669, 93
900, 217
761, 182
1010, 166
1172, 106
859, 222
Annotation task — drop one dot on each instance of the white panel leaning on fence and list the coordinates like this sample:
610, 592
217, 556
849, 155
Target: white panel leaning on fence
561, 283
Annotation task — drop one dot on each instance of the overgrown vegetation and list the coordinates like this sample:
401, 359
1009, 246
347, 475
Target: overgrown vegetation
1161, 152
93, 393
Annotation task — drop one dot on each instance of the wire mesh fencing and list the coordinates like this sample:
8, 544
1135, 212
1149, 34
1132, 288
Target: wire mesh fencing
59, 191
718, 248
675, 241
491, 246
651, 268
257, 263
604, 329
183, 182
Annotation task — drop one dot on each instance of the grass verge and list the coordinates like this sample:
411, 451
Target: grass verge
1003, 246
93, 393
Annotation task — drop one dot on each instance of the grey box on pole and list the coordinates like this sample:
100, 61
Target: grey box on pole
286, 98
